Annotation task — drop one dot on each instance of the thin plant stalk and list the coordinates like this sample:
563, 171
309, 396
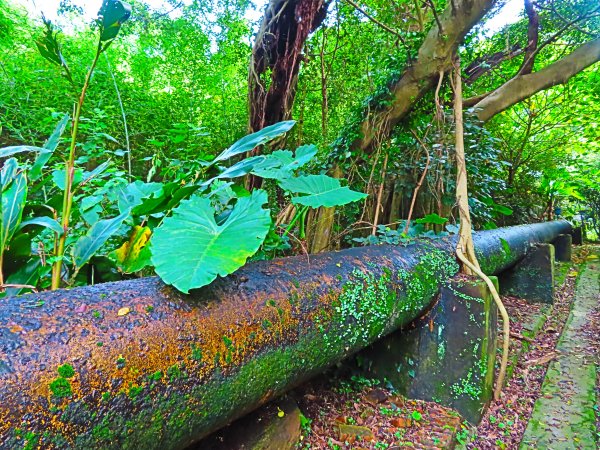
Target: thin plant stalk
419, 184
298, 215
124, 117
69, 176
379, 196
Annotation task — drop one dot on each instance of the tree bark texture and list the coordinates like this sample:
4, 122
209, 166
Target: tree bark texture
276, 59
137, 365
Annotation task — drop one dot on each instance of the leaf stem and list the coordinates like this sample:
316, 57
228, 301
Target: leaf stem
294, 220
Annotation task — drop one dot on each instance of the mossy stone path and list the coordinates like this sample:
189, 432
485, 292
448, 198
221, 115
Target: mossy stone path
563, 416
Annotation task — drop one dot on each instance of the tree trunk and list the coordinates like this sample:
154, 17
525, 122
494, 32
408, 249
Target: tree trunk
275, 63
323, 228
435, 56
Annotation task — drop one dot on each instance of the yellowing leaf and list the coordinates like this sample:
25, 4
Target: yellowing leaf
134, 254
123, 311
280, 413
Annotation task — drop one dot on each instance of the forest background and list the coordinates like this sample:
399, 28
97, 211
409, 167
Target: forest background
184, 81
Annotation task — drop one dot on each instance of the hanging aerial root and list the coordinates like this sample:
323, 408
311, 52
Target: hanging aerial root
505, 320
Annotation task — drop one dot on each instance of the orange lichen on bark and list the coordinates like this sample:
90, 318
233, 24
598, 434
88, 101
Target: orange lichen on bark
130, 348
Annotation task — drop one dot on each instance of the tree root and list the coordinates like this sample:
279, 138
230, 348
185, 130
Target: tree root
505, 321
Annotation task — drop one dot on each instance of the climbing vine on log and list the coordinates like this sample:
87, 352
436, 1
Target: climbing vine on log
465, 248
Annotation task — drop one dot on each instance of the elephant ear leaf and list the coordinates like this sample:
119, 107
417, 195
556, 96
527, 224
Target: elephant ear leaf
113, 14
320, 190
190, 249
253, 140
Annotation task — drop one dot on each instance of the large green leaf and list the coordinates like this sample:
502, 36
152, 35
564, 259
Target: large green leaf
14, 195
243, 167
253, 140
87, 246
190, 249
134, 194
321, 190
113, 14
48, 150
282, 163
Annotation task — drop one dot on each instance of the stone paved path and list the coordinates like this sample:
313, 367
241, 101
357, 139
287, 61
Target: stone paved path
563, 416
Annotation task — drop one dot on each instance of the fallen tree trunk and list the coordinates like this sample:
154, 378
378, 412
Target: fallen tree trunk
136, 365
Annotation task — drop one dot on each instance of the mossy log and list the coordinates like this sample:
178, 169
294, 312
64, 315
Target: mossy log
137, 365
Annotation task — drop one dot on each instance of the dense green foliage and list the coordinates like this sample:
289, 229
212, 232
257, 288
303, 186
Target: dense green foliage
171, 91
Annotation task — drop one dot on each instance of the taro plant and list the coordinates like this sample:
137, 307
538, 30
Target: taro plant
206, 237
191, 230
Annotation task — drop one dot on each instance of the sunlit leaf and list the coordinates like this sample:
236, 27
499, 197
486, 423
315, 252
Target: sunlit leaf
13, 150
14, 195
48, 150
134, 254
244, 167
90, 208
58, 176
189, 250
253, 140
113, 13
281, 164
320, 190
134, 193
433, 219
87, 176
46, 222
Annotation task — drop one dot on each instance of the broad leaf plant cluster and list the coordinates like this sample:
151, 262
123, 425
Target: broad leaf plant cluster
190, 231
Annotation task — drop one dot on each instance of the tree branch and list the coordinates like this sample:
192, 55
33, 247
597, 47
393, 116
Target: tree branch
377, 22
532, 38
524, 86
532, 56
435, 56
